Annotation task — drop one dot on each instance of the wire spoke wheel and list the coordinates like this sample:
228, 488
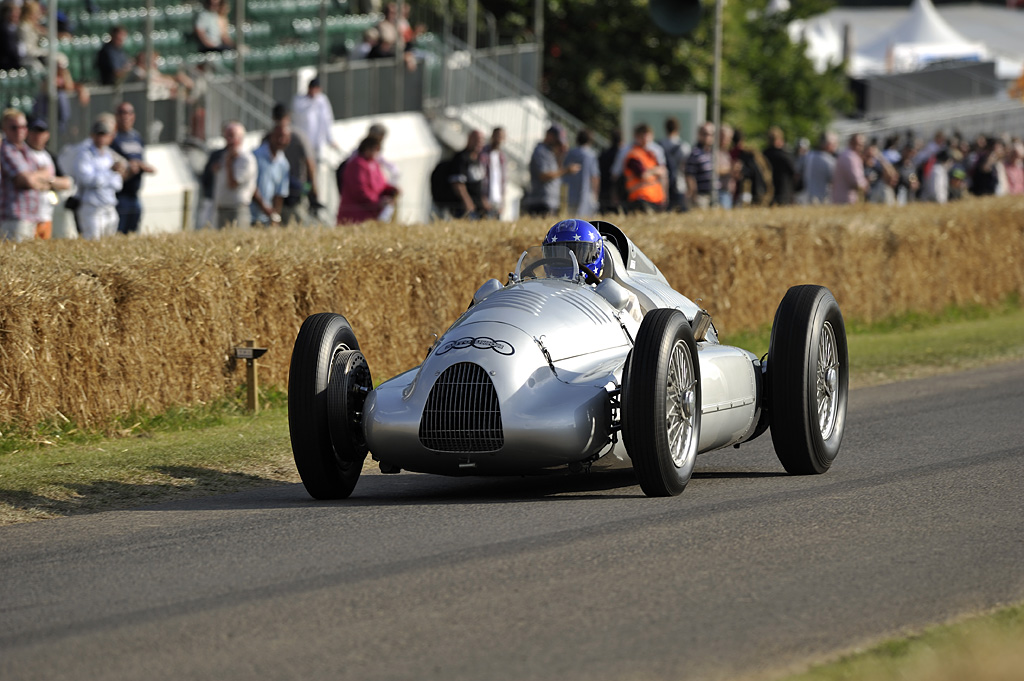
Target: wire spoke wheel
661, 403
808, 380
827, 383
680, 403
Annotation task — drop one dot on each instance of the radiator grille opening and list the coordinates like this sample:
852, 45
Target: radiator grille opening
462, 412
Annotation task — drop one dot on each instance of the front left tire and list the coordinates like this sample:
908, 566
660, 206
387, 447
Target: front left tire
327, 384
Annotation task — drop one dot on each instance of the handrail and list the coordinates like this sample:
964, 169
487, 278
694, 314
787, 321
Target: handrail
486, 77
252, 104
967, 116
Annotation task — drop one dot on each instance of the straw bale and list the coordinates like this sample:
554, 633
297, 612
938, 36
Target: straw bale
92, 331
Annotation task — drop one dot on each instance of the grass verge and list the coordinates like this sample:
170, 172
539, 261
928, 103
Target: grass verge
915, 345
58, 470
982, 648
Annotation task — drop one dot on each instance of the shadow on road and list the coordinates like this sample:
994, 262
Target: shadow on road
197, 488
409, 489
179, 482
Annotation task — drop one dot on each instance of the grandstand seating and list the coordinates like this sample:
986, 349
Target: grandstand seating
19, 89
278, 34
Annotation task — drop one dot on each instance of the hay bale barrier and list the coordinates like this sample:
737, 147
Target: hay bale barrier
92, 331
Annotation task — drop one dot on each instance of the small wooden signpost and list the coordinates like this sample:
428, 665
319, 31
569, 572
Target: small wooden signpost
250, 354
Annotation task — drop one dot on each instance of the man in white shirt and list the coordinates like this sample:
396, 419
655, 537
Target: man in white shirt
495, 176
312, 114
234, 179
99, 175
936, 183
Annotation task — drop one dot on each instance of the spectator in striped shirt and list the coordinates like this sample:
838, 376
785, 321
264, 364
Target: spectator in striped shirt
21, 182
700, 181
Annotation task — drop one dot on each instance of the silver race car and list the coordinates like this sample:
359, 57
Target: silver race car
572, 365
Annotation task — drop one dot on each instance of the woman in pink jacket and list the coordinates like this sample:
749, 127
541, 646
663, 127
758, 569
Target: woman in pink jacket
365, 191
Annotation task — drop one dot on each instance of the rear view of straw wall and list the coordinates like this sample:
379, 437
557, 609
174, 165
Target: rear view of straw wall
90, 331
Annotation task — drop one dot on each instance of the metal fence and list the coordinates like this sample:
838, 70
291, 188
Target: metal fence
938, 84
355, 88
993, 116
481, 90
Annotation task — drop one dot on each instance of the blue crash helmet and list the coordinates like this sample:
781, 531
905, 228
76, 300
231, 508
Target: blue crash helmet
583, 239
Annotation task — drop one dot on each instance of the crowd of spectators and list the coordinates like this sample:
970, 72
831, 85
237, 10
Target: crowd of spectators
670, 175
275, 184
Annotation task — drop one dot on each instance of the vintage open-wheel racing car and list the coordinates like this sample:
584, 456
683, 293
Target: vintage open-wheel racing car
558, 370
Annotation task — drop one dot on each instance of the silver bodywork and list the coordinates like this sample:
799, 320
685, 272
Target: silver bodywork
529, 378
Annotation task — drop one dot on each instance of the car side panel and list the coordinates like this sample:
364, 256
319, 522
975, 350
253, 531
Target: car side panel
730, 380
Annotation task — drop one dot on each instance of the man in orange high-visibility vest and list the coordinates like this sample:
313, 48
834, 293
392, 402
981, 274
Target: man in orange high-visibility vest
645, 177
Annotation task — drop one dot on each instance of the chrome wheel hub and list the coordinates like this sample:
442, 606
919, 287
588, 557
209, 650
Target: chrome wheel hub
681, 405
827, 382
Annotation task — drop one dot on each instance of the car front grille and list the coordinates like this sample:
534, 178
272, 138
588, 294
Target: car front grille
462, 412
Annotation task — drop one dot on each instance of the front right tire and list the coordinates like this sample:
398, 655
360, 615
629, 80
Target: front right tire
327, 384
661, 403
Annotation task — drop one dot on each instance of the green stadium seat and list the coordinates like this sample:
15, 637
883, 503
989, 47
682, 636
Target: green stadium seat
18, 89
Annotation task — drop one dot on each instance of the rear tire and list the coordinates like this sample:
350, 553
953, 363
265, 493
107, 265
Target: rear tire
326, 373
661, 403
808, 380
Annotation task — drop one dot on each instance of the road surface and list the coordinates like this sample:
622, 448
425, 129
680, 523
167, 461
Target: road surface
748, 574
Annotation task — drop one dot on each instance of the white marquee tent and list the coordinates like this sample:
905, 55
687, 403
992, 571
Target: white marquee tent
922, 37
893, 40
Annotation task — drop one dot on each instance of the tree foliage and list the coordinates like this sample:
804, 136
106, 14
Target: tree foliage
596, 50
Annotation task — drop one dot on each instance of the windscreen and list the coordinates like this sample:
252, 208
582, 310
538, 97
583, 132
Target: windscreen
551, 261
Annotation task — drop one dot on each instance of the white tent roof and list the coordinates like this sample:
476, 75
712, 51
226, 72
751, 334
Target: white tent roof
887, 39
920, 38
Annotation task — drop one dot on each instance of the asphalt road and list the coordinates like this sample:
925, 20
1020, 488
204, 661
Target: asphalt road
748, 573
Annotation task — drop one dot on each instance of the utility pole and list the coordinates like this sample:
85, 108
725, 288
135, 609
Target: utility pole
716, 103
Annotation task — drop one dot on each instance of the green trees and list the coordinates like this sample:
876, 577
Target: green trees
597, 49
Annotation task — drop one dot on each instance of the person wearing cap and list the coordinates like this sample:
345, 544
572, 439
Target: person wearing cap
234, 179
99, 174
43, 161
20, 181
128, 143
546, 173
313, 115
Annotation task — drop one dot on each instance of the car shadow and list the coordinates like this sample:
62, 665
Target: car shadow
725, 475
181, 483
406, 488
198, 488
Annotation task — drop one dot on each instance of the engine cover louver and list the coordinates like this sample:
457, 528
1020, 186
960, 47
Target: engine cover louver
462, 412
